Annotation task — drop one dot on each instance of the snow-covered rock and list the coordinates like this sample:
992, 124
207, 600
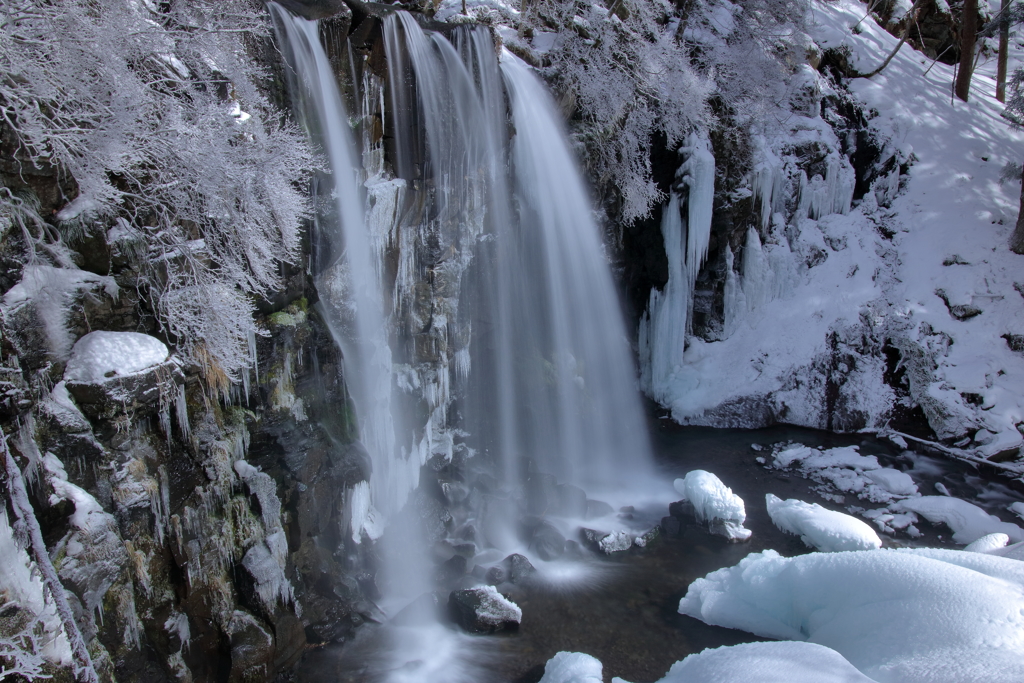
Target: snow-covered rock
820, 528
899, 616
714, 503
483, 609
113, 372
988, 543
967, 521
573, 667
44, 310
782, 662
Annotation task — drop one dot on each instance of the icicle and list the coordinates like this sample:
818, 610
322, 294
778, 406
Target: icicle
735, 303
698, 173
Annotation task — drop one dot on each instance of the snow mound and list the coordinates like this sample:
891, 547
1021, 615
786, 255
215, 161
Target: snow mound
1017, 509
986, 544
573, 667
907, 616
714, 502
967, 521
820, 528
784, 662
98, 356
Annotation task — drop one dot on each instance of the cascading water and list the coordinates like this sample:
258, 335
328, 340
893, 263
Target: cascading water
566, 373
348, 283
481, 235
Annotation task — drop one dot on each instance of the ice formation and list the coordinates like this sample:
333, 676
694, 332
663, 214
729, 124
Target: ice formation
714, 503
899, 616
782, 662
967, 521
573, 667
820, 528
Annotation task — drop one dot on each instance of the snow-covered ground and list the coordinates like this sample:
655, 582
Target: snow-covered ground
949, 228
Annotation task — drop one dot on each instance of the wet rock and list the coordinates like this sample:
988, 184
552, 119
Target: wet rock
483, 610
672, 526
290, 640
590, 538
547, 542
572, 501
252, 649
425, 609
683, 509
647, 538
519, 569
451, 570
541, 493
454, 492
496, 575
597, 508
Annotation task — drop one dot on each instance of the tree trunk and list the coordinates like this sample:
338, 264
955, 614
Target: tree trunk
1017, 238
1004, 48
968, 37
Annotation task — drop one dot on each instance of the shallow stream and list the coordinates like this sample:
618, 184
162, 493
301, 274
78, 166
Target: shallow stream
622, 609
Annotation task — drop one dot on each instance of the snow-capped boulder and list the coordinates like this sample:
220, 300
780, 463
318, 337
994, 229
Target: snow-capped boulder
782, 662
908, 616
714, 503
483, 610
110, 373
821, 528
573, 667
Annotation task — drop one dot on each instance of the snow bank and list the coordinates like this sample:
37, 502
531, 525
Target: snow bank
573, 667
99, 356
714, 503
906, 616
967, 521
820, 528
784, 662
986, 544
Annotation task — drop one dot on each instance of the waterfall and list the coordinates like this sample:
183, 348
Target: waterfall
348, 283
480, 260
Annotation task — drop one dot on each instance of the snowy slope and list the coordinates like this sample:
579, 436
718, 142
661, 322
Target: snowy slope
894, 273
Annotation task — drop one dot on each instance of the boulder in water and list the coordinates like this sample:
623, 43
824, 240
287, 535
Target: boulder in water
483, 610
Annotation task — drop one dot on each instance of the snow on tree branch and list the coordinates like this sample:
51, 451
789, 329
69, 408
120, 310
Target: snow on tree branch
155, 112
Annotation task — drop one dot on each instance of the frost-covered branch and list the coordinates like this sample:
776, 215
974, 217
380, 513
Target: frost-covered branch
26, 517
186, 149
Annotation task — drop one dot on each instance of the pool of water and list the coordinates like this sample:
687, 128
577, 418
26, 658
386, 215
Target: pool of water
622, 609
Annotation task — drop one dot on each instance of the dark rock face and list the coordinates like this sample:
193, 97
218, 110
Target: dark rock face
316, 9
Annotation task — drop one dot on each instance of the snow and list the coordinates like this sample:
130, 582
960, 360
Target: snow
572, 667
967, 521
1015, 508
21, 585
988, 543
906, 616
98, 356
616, 541
845, 469
714, 502
495, 608
820, 528
782, 662
780, 314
